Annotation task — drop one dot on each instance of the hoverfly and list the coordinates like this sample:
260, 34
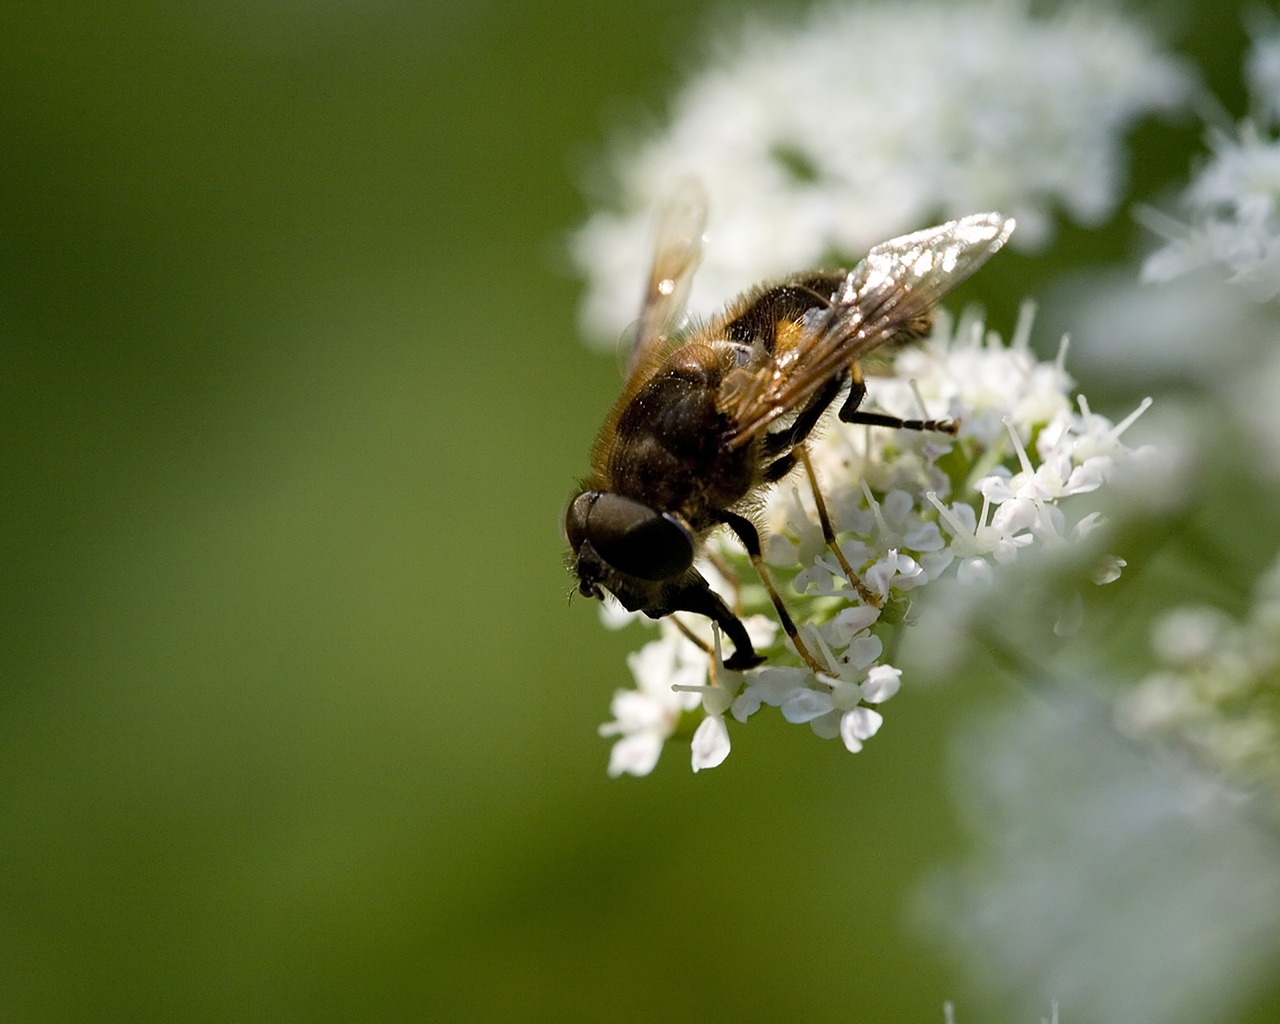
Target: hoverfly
710, 417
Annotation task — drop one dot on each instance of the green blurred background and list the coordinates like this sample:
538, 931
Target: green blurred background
296, 723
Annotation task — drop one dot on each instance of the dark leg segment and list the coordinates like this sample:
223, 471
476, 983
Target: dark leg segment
877, 419
849, 412
781, 442
698, 597
750, 538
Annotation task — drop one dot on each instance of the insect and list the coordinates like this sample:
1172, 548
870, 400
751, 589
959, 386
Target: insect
710, 417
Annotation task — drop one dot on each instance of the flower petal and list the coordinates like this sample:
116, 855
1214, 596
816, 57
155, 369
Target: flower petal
710, 743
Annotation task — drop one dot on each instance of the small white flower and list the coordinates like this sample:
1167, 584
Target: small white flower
646, 716
891, 524
858, 725
1096, 437
883, 682
895, 571
852, 720
974, 538
798, 537
804, 705
849, 622
767, 686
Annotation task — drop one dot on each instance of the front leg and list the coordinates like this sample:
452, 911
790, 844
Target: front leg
694, 594
750, 537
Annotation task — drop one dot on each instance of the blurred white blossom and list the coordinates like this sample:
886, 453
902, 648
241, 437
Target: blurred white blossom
1127, 889
1216, 695
861, 122
1262, 70
1233, 200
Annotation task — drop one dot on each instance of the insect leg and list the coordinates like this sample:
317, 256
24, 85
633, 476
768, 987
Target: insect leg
829, 533
692, 637
850, 413
750, 538
697, 596
878, 419
781, 442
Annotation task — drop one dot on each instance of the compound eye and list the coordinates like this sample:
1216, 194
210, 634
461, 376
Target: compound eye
576, 517
636, 539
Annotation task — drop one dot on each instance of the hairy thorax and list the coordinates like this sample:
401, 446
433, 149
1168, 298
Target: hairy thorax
671, 446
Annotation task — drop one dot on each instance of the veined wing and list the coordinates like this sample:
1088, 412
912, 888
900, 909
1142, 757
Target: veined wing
899, 282
677, 252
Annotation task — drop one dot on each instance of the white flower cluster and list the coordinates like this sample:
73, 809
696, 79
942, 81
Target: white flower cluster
1097, 874
1234, 200
1217, 694
907, 506
865, 121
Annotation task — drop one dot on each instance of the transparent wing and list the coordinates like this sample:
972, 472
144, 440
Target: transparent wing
677, 251
900, 281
